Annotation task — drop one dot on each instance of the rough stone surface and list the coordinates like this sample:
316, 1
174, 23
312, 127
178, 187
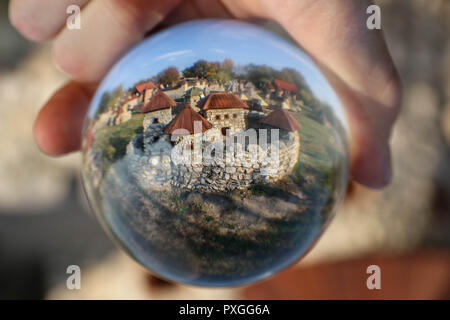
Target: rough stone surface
154, 167
159, 116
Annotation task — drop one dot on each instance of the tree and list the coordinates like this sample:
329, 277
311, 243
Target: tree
213, 71
221, 76
109, 100
116, 95
169, 76
260, 75
227, 65
199, 69
106, 96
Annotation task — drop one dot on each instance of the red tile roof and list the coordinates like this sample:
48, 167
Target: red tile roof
145, 85
158, 101
282, 119
186, 120
223, 100
285, 86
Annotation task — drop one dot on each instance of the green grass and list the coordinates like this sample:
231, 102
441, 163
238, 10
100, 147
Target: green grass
112, 141
317, 152
314, 140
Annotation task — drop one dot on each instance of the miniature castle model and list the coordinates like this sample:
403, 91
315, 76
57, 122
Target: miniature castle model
196, 119
158, 109
226, 111
217, 117
194, 91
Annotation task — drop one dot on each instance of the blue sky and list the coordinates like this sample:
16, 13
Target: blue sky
214, 40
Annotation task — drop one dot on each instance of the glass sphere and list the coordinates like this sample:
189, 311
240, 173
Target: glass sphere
215, 153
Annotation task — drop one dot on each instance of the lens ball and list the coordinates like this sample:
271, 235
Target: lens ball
215, 153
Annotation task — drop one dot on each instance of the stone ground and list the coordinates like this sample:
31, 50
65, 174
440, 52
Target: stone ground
44, 224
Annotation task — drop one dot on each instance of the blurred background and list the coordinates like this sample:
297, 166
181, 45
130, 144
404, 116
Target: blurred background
45, 224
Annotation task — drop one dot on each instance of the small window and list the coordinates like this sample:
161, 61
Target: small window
227, 117
225, 130
218, 117
234, 115
155, 120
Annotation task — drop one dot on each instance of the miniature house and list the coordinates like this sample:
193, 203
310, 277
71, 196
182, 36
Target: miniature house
158, 109
225, 111
139, 94
167, 156
188, 120
187, 126
282, 119
146, 90
283, 87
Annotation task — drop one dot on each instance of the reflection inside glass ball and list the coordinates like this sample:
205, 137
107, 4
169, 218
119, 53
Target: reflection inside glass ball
215, 153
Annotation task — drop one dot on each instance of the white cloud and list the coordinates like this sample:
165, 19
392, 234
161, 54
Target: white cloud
173, 54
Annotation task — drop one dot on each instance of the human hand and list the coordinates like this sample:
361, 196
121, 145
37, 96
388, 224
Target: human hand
354, 59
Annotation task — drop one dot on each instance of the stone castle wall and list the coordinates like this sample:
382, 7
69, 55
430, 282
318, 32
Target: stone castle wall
228, 118
155, 169
162, 116
238, 170
175, 93
152, 172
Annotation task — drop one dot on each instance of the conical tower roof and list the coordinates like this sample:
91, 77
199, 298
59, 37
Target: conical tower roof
158, 101
282, 119
223, 100
186, 120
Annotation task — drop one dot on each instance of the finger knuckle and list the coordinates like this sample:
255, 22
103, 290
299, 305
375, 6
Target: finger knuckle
132, 16
27, 23
69, 61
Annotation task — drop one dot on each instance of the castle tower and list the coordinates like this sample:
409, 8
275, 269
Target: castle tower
158, 109
188, 120
187, 127
225, 111
281, 118
290, 149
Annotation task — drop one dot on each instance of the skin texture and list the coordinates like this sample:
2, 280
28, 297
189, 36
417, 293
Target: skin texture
354, 59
